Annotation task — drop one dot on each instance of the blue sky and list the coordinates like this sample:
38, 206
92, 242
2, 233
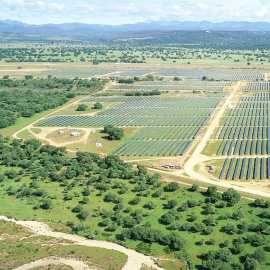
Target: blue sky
124, 11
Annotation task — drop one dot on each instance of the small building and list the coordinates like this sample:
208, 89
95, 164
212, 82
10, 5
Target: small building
212, 169
75, 133
177, 166
61, 132
172, 166
98, 144
94, 131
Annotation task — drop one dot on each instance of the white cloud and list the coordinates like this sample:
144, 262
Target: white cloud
262, 12
58, 6
14, 2
177, 8
202, 6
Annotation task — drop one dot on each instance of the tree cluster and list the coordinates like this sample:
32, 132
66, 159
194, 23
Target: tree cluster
114, 133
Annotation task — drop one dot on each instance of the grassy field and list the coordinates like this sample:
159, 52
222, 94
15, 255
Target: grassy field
25, 135
36, 130
107, 145
72, 109
168, 55
16, 251
57, 137
61, 212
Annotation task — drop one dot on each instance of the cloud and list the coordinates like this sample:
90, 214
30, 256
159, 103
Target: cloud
126, 11
262, 12
202, 6
177, 8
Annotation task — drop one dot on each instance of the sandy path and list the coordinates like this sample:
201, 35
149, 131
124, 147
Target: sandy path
135, 259
75, 264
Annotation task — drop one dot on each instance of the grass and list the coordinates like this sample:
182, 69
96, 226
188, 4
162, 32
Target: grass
65, 137
25, 135
171, 264
211, 147
72, 109
108, 146
36, 130
61, 212
16, 251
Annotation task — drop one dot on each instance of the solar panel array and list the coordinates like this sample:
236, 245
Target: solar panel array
245, 131
170, 124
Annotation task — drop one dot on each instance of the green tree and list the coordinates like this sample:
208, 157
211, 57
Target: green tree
231, 196
83, 215
82, 108
251, 264
173, 186
98, 106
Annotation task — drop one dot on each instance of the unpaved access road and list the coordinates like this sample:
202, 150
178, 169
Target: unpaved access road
135, 259
75, 264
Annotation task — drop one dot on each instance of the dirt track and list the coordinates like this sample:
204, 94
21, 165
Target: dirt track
75, 264
135, 259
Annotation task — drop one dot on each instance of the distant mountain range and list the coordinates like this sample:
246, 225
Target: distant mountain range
103, 31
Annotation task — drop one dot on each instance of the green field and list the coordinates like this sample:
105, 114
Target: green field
107, 204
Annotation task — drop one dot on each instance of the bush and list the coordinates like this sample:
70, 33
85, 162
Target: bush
114, 132
231, 196
83, 215
173, 186
82, 107
98, 106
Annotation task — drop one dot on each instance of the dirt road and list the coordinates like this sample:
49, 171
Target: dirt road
135, 259
75, 264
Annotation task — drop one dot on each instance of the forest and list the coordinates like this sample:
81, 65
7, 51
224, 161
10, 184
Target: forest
28, 96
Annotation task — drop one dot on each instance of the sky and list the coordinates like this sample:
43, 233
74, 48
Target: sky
115, 12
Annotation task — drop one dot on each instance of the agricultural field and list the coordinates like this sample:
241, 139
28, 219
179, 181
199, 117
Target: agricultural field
170, 124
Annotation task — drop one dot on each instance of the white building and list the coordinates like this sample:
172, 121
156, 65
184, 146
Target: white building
75, 133
98, 144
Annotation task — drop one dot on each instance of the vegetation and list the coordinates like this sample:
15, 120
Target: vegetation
105, 198
98, 106
17, 250
15, 104
37, 95
114, 133
82, 108
246, 48
146, 93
